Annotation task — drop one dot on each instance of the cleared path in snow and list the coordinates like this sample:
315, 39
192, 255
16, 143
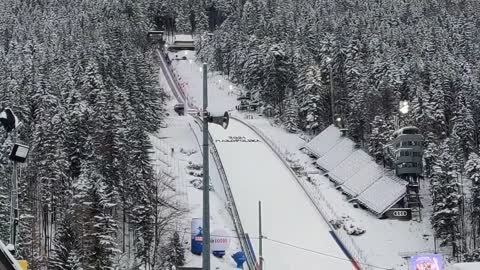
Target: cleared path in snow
256, 174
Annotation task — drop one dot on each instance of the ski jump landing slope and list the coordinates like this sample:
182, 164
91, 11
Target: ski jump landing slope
256, 174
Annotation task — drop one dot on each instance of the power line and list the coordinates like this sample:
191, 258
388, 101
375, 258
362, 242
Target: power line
187, 230
293, 246
321, 253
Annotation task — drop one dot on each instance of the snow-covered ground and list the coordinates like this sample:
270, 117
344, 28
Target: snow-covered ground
465, 266
294, 220
221, 94
256, 174
383, 243
178, 134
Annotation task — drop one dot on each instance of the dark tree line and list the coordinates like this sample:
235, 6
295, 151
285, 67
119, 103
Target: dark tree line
82, 77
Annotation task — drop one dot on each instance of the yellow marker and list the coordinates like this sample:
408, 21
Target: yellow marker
23, 264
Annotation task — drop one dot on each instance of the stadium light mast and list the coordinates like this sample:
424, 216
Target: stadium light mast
19, 153
223, 121
330, 68
404, 107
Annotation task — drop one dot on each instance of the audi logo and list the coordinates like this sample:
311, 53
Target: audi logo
400, 213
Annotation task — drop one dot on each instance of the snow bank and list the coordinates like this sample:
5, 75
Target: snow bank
465, 266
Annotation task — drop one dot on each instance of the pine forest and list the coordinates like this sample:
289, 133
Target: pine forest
83, 79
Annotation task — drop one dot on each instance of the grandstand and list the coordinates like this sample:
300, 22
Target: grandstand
363, 179
355, 172
324, 141
331, 159
350, 166
392, 190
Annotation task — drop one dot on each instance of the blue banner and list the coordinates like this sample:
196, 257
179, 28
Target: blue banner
239, 258
197, 236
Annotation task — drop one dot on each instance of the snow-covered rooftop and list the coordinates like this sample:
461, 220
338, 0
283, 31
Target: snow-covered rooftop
324, 142
182, 37
362, 180
350, 166
356, 172
342, 150
391, 189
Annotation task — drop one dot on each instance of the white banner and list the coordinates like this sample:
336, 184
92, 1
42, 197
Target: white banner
220, 240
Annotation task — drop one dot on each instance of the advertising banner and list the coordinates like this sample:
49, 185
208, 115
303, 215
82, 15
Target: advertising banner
219, 242
239, 258
399, 213
426, 262
197, 236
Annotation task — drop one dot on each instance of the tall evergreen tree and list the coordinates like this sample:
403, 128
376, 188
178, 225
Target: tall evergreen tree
446, 199
175, 253
472, 170
382, 132
65, 255
96, 225
291, 113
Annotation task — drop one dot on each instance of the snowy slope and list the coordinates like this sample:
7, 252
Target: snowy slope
179, 135
221, 94
256, 174
465, 266
383, 241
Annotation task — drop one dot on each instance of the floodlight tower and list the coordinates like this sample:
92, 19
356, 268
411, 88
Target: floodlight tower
222, 120
19, 153
405, 153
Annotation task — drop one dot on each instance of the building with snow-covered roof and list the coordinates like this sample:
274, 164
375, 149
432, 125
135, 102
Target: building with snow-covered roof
338, 153
349, 167
324, 141
184, 37
7, 261
355, 172
392, 190
406, 151
182, 42
363, 179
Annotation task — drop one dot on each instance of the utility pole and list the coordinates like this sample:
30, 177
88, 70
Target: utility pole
14, 198
331, 93
206, 184
260, 245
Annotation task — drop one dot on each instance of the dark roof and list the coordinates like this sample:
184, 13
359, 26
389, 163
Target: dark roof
7, 262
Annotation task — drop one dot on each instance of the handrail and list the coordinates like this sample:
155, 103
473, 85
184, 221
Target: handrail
250, 255
316, 198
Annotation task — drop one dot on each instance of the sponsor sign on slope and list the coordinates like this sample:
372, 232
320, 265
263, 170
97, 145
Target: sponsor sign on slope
197, 236
219, 242
237, 139
399, 213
